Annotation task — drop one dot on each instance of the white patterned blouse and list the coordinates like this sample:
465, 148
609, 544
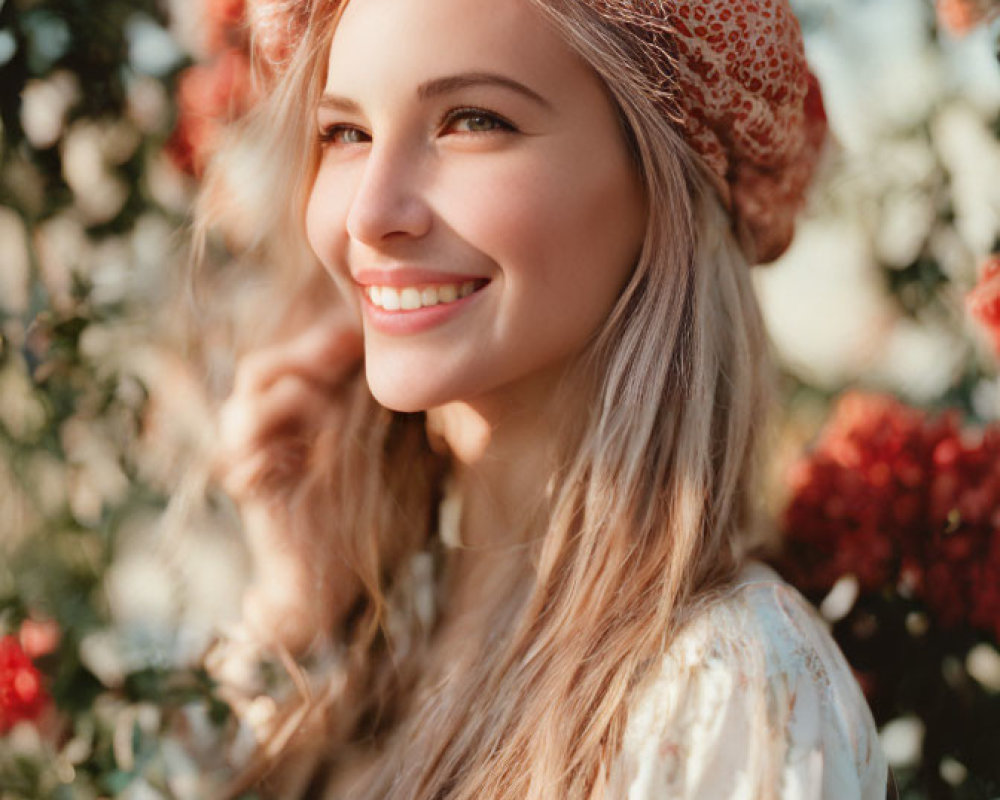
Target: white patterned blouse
754, 701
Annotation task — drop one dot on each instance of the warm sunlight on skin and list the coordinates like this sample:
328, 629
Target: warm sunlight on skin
465, 152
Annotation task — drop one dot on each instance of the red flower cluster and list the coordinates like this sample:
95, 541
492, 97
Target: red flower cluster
22, 697
208, 97
983, 302
903, 500
214, 93
962, 561
961, 16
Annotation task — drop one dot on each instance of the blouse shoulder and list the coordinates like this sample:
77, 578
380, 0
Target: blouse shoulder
752, 701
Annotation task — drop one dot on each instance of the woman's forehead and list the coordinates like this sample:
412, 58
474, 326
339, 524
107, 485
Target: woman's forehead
420, 40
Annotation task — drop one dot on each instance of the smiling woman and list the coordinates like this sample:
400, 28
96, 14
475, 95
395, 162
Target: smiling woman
524, 529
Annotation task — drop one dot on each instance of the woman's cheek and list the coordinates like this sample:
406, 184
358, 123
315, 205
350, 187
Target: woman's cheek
326, 216
505, 213
325, 228
317, 228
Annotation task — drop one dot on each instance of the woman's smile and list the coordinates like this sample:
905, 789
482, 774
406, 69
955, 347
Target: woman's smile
413, 298
408, 300
414, 308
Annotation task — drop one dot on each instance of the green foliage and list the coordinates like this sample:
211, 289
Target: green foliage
64, 511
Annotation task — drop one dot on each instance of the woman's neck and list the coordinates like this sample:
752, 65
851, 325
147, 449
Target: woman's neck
504, 448
501, 463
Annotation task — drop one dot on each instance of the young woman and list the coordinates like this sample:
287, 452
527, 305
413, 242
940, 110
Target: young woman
517, 539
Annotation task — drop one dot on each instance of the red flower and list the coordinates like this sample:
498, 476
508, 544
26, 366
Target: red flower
209, 96
39, 637
903, 501
983, 302
961, 16
859, 503
22, 697
962, 583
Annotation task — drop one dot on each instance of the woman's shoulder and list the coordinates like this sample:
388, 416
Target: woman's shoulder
753, 699
761, 625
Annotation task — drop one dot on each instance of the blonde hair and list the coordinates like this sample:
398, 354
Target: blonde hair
652, 509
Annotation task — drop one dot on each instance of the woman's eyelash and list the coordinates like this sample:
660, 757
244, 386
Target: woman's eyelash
329, 134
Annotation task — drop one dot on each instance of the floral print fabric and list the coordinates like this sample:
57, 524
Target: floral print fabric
753, 701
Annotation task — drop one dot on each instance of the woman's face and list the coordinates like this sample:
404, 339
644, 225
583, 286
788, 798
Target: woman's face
475, 195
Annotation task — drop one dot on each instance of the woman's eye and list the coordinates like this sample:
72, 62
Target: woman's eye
462, 121
342, 135
472, 120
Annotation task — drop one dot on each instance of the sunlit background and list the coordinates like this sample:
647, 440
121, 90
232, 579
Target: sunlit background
121, 563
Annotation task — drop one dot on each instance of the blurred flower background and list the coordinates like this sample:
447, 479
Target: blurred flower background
885, 316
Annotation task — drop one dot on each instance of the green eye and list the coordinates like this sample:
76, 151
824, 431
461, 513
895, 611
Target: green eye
342, 135
474, 120
480, 123
350, 136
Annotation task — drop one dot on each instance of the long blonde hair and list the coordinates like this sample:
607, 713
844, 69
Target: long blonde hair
652, 509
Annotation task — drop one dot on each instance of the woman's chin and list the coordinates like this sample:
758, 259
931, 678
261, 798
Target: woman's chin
404, 393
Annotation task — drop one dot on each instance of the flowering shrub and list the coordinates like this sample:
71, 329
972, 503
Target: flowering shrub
217, 90
897, 498
961, 571
892, 520
102, 693
220, 89
904, 506
22, 697
208, 96
858, 502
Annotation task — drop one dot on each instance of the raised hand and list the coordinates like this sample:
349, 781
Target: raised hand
278, 432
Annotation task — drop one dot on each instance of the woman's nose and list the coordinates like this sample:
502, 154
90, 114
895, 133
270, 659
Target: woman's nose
388, 202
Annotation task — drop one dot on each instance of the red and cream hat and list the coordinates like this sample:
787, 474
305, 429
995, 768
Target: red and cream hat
731, 73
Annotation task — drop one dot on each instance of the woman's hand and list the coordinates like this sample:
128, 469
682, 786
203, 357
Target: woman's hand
278, 429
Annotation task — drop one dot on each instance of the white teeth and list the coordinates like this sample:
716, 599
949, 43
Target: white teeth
410, 298
390, 299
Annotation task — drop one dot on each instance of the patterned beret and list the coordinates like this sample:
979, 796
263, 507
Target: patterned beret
731, 73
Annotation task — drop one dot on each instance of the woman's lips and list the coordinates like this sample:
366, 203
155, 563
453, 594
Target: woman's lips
405, 309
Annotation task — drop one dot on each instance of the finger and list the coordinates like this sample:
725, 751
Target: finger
288, 406
241, 478
328, 351
272, 459
325, 353
269, 475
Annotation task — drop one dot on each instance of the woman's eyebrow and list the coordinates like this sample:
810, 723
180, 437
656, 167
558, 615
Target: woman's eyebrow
453, 83
440, 86
334, 102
